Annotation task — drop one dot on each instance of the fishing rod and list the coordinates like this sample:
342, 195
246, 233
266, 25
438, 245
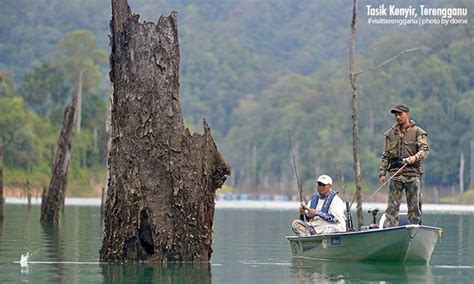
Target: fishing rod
349, 223
399, 170
300, 188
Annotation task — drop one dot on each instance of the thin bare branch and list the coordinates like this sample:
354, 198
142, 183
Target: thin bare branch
355, 117
393, 58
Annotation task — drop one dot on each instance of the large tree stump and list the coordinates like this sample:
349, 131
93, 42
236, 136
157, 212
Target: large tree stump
52, 201
160, 199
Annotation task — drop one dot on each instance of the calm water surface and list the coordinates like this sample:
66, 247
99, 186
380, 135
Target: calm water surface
249, 247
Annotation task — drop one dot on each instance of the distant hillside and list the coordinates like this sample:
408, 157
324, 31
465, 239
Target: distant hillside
256, 68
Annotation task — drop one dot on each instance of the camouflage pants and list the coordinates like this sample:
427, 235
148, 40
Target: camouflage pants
412, 190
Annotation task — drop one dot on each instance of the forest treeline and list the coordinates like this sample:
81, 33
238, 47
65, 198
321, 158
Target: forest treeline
253, 70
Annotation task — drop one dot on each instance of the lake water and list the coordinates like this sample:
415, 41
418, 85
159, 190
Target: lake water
249, 247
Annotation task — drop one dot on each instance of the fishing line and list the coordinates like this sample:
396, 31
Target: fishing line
391, 177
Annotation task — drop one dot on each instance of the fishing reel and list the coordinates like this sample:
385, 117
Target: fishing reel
374, 213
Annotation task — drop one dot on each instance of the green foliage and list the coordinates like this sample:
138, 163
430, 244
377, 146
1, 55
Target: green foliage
31, 120
38, 177
77, 51
31, 29
253, 70
46, 91
465, 198
21, 131
6, 83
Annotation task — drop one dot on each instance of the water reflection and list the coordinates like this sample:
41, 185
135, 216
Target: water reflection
1, 237
157, 273
311, 271
53, 248
246, 250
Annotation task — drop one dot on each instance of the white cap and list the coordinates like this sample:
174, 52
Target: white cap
325, 179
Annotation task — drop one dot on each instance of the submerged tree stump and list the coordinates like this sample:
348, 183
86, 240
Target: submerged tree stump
52, 201
162, 178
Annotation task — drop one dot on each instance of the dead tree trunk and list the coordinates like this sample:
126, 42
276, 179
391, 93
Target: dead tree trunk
461, 173
52, 201
1, 177
28, 193
471, 175
160, 200
355, 120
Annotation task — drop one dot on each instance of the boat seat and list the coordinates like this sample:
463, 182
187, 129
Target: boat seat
402, 220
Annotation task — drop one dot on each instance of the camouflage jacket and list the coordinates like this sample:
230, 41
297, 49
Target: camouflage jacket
400, 144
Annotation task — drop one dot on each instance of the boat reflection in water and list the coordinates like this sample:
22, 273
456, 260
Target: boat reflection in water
316, 271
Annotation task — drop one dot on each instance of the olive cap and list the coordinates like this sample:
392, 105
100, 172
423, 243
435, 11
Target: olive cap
400, 108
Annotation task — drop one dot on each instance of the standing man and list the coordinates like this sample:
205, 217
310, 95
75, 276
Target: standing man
405, 143
324, 212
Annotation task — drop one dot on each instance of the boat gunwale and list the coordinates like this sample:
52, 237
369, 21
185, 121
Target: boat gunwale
410, 226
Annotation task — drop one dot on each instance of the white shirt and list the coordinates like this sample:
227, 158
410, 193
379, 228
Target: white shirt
337, 209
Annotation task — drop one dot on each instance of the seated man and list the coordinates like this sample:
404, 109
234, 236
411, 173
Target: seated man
324, 212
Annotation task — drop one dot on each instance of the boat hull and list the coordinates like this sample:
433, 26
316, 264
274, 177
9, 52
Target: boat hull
410, 243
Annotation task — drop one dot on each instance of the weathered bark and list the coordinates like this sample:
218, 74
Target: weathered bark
355, 119
108, 144
1, 178
53, 199
160, 199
